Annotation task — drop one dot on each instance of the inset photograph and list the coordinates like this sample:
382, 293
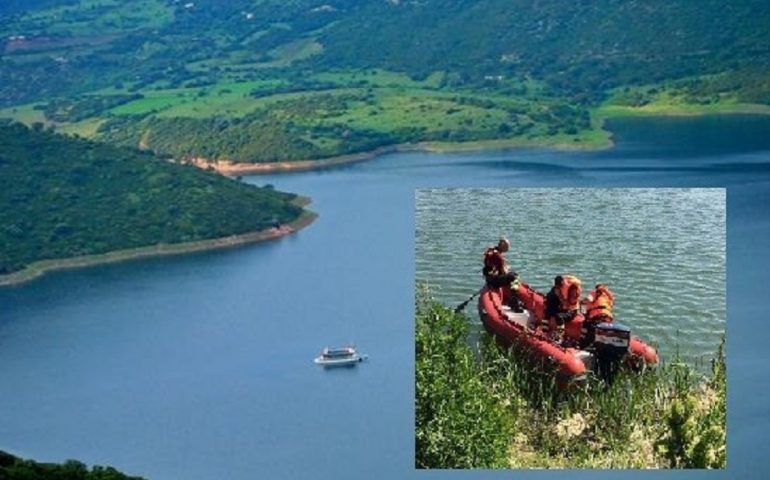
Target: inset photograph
570, 328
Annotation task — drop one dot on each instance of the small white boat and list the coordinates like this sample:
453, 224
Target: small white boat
339, 357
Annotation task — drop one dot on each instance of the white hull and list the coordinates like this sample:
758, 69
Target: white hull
340, 362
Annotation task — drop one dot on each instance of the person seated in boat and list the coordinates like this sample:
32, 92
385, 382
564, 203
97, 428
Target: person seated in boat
498, 274
570, 293
598, 309
562, 308
598, 305
553, 305
496, 271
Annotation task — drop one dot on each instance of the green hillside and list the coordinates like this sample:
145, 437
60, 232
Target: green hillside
62, 197
270, 80
578, 48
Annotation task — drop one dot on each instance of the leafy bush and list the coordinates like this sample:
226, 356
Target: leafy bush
696, 420
461, 423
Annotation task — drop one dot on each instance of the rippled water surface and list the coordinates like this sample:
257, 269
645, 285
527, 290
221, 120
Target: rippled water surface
200, 367
662, 251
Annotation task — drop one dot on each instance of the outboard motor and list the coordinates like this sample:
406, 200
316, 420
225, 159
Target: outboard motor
611, 344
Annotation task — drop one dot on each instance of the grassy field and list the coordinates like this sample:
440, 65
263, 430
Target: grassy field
378, 78
86, 128
584, 140
295, 51
94, 18
665, 108
386, 103
383, 106
26, 114
654, 100
240, 62
229, 99
394, 108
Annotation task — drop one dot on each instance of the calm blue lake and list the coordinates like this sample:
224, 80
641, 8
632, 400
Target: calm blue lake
200, 366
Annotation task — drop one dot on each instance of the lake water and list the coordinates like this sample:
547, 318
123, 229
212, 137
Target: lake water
200, 367
662, 252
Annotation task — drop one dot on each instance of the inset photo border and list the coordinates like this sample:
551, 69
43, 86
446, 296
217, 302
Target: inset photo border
570, 328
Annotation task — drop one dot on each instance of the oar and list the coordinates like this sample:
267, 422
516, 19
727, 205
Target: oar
462, 306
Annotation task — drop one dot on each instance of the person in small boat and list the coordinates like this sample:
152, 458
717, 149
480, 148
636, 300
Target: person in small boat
498, 274
496, 271
569, 293
598, 309
553, 305
573, 328
598, 305
562, 307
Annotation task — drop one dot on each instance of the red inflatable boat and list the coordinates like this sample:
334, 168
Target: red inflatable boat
611, 343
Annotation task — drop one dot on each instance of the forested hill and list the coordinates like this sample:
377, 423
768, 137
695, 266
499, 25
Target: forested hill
575, 46
273, 80
62, 197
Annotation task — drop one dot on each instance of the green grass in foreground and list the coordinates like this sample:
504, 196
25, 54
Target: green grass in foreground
495, 410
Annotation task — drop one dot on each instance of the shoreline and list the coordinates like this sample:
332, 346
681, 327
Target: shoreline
603, 141
38, 269
602, 114
229, 168
233, 169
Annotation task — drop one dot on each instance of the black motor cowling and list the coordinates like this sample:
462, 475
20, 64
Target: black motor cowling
611, 344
